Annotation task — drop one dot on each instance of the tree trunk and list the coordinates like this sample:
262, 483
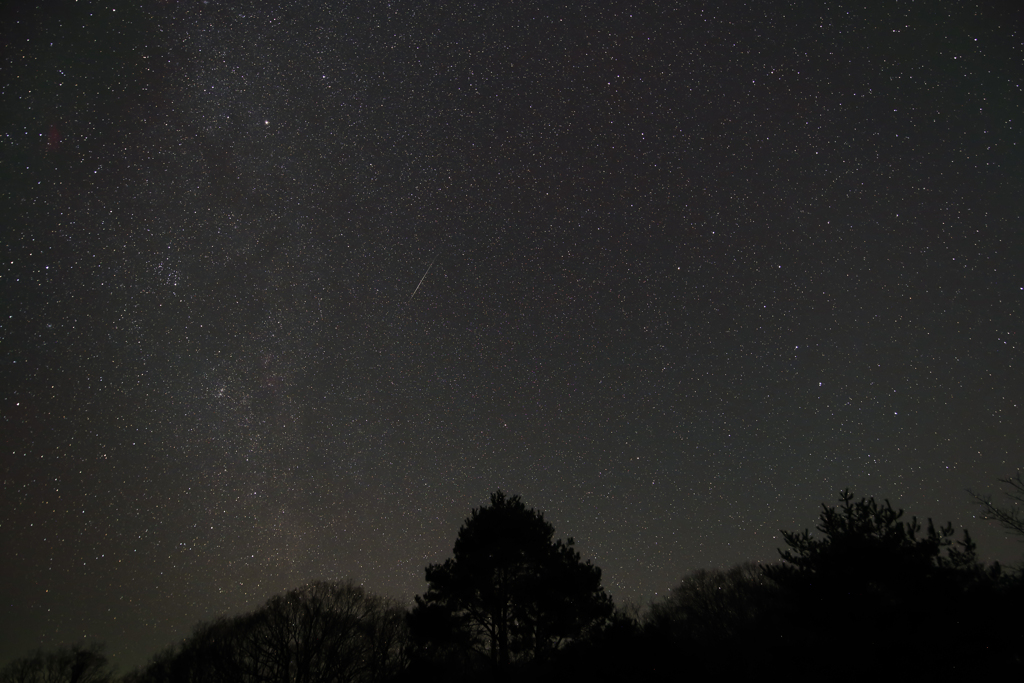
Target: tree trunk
503, 637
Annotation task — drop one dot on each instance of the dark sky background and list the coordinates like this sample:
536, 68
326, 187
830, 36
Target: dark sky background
690, 270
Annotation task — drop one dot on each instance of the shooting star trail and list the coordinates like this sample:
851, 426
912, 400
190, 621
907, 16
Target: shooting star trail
422, 279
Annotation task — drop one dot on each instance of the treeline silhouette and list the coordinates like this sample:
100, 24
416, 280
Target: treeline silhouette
870, 594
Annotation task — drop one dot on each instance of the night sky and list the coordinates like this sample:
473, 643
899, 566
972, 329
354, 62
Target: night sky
287, 289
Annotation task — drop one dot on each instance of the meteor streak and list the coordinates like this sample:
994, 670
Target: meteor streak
422, 279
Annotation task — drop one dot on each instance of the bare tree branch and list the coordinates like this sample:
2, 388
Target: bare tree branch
1011, 516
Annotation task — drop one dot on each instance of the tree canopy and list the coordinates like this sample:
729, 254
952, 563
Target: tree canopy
868, 593
509, 591
76, 664
867, 546
323, 632
711, 605
877, 584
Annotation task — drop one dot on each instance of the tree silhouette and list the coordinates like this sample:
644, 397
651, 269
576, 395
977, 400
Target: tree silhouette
509, 591
324, 632
712, 605
866, 545
1010, 517
874, 584
75, 664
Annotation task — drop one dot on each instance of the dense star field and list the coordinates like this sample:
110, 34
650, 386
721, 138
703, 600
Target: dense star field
287, 289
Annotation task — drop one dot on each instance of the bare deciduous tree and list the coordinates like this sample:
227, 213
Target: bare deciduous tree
75, 664
713, 604
324, 632
1010, 516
